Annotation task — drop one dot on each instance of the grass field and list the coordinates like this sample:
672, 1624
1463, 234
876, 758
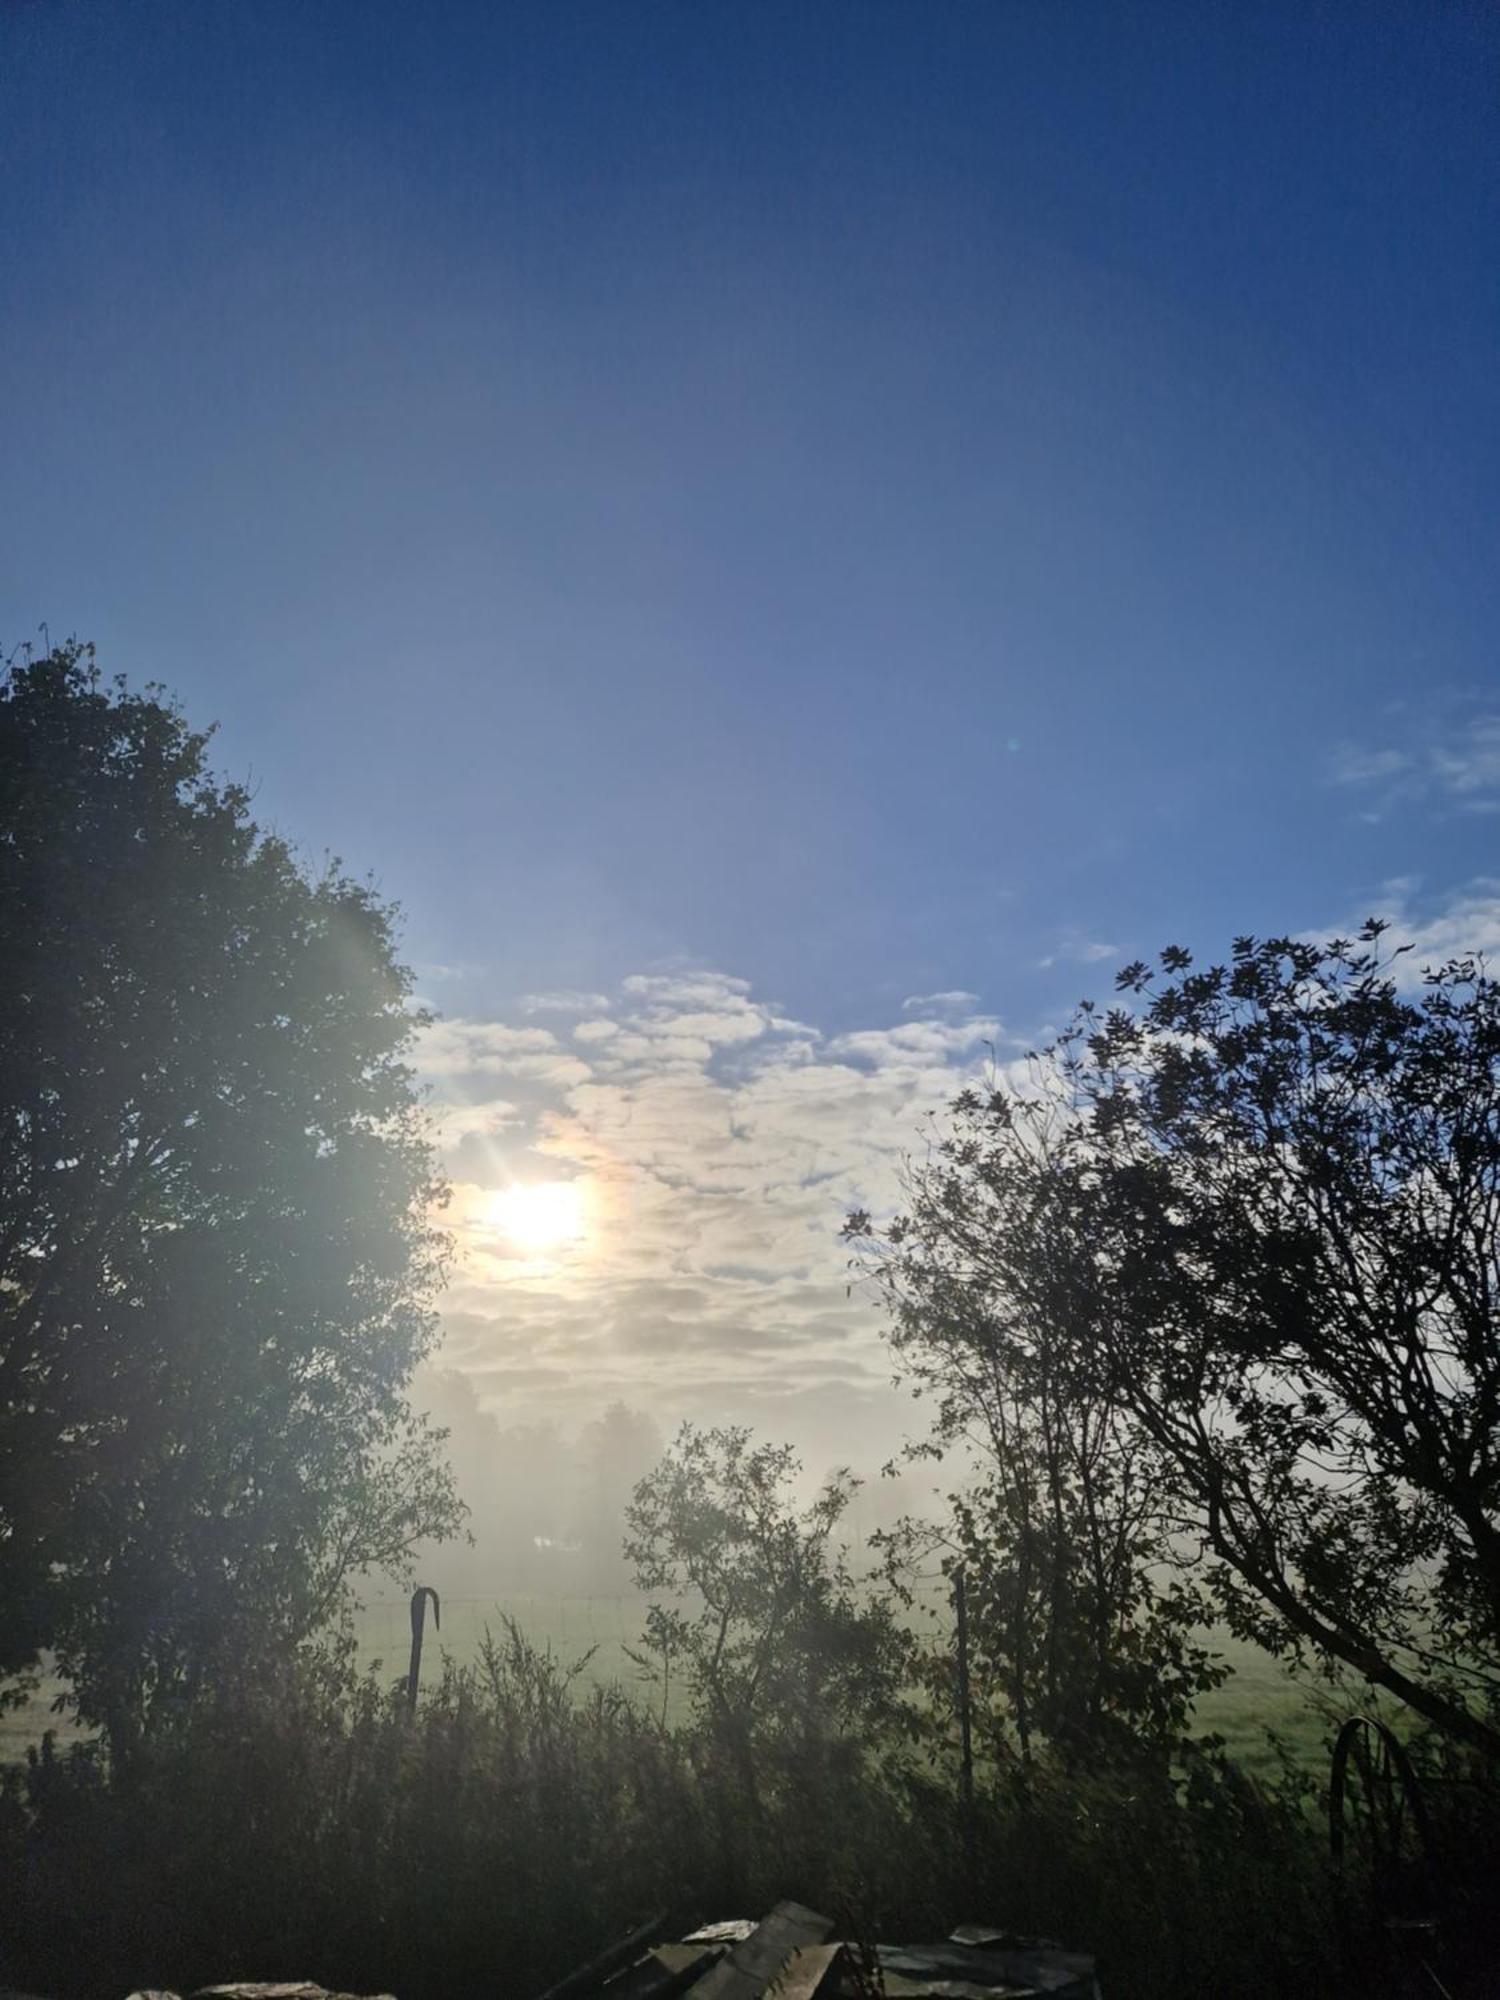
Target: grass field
1259, 1695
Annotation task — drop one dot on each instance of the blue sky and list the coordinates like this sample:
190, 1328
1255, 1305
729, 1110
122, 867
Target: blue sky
848, 501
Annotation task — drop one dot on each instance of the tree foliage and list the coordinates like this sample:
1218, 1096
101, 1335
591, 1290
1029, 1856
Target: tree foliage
1272, 1191
217, 1258
764, 1626
1083, 1632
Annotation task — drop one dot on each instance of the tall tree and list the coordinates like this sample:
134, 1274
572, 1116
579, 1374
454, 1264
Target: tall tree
217, 1252
1084, 1633
1275, 1189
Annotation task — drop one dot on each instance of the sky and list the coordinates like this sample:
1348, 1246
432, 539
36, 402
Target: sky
792, 539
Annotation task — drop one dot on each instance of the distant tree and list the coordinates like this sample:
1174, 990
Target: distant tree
1271, 1197
519, 1482
217, 1253
764, 1627
613, 1454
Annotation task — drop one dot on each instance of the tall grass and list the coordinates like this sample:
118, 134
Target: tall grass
528, 1814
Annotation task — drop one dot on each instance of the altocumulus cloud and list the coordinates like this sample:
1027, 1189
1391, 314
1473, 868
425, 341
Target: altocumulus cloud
716, 1145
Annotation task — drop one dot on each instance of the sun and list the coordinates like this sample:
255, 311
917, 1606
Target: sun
539, 1216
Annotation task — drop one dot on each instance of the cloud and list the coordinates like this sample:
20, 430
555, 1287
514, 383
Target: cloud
1078, 951
719, 1145
1465, 923
431, 972
457, 1126
596, 1031
1428, 934
919, 1042
1353, 764
1470, 770
1452, 761
700, 989
565, 1002
465, 1052
463, 1048
954, 1001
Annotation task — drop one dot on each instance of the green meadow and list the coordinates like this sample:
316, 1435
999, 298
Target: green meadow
596, 1635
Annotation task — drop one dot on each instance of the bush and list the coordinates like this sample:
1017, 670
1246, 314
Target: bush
310, 1829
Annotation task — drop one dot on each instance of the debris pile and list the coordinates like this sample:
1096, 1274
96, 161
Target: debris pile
793, 1955
257, 1989
790, 1955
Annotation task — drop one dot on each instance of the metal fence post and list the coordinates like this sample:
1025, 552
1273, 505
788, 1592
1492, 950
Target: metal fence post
966, 1730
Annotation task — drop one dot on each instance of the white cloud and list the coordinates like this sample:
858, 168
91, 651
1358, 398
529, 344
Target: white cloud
691, 989
1078, 951
917, 1041
956, 1000
1465, 923
1427, 933
1470, 770
456, 1125
1353, 764
596, 1031
1450, 760
469, 1048
719, 1145
565, 1002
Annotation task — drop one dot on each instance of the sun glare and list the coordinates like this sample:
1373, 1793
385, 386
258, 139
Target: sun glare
539, 1216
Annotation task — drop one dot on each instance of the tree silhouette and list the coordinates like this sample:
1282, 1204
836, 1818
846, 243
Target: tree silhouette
217, 1257
1262, 1213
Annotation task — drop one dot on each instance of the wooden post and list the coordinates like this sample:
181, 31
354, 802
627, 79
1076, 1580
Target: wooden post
965, 1730
419, 1599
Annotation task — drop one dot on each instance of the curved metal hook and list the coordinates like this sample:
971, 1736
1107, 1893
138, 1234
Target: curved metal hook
1355, 1739
419, 1599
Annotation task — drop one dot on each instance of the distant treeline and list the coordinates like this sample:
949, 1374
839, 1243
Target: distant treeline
546, 1508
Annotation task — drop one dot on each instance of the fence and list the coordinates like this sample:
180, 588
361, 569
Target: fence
571, 1624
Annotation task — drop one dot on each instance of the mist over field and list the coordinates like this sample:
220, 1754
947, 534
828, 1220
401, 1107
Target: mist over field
547, 1505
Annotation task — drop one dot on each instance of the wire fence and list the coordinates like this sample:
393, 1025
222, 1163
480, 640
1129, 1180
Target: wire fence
596, 1628
592, 1633
597, 1631
570, 1623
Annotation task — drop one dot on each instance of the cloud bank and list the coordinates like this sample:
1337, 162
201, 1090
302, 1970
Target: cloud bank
717, 1145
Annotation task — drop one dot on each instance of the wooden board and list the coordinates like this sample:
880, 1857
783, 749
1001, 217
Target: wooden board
592, 1975
812, 1971
748, 1970
667, 1970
